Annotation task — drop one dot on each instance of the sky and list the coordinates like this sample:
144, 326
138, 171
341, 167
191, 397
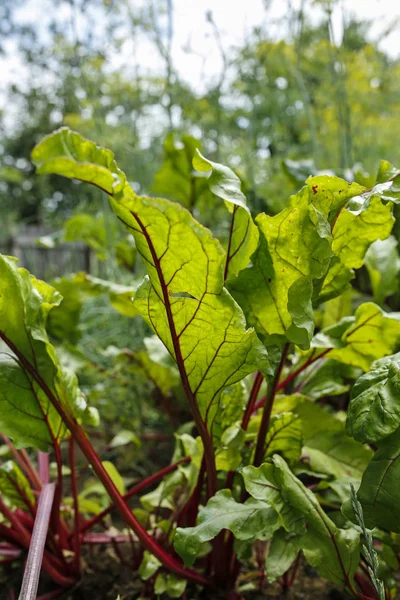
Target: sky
234, 19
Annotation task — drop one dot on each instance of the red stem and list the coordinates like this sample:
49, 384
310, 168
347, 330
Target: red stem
22, 458
57, 523
292, 376
74, 486
89, 452
212, 482
265, 419
22, 537
250, 408
134, 491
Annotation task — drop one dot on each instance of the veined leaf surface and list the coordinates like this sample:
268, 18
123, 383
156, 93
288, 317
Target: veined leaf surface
182, 298
374, 410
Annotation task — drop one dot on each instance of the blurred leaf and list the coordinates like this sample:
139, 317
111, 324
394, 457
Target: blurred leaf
14, 486
115, 476
326, 443
383, 263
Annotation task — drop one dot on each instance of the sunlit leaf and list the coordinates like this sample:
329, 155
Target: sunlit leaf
369, 335
26, 413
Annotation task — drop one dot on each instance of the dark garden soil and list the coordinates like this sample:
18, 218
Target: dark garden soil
105, 578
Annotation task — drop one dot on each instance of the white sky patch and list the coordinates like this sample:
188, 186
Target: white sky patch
196, 56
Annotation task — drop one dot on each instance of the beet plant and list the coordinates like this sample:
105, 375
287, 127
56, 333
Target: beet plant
294, 396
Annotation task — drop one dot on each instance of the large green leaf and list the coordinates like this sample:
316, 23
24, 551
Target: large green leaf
276, 291
182, 298
374, 410
251, 520
14, 486
369, 335
379, 492
292, 261
243, 234
26, 413
332, 551
383, 263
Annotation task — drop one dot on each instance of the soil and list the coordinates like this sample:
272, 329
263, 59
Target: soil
105, 578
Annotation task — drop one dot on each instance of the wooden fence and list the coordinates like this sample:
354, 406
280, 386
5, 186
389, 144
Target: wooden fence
48, 263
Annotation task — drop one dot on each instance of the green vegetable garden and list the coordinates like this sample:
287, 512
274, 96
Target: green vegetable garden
214, 411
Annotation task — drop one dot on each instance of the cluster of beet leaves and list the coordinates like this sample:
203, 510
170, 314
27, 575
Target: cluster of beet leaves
270, 354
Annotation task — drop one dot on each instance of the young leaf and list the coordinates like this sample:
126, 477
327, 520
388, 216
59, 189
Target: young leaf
177, 487
115, 476
336, 282
246, 521
149, 566
243, 234
374, 411
121, 296
171, 585
155, 363
327, 379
